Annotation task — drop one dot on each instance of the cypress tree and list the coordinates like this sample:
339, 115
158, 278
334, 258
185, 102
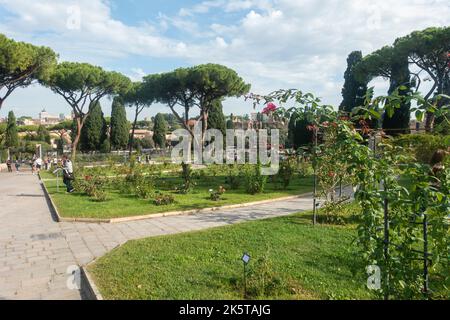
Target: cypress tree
106, 146
353, 91
298, 133
216, 118
230, 124
119, 125
159, 131
11, 135
94, 130
291, 131
400, 79
302, 136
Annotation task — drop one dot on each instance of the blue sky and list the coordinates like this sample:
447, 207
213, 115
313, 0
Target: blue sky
272, 44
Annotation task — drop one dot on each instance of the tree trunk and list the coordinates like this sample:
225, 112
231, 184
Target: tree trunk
186, 113
429, 122
1, 103
204, 127
133, 131
77, 139
399, 123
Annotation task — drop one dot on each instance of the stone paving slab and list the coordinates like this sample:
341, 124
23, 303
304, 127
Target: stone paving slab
35, 250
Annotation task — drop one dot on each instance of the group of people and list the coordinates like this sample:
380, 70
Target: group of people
44, 164
37, 164
17, 165
147, 159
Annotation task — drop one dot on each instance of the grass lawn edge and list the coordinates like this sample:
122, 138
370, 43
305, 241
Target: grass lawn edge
95, 266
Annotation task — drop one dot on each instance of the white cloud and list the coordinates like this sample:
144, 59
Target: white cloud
305, 43
45, 21
137, 74
275, 44
221, 43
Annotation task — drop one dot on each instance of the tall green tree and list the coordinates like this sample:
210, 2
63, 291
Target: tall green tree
428, 49
216, 119
2, 133
354, 91
298, 133
175, 89
138, 97
82, 85
199, 86
212, 82
21, 64
376, 64
230, 124
390, 63
172, 121
11, 134
400, 81
42, 134
120, 131
303, 136
93, 133
160, 131
291, 131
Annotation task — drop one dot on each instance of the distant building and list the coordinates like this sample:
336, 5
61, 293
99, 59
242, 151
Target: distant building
252, 123
46, 118
27, 122
142, 134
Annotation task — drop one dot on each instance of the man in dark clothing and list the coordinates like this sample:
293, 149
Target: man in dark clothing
9, 164
68, 174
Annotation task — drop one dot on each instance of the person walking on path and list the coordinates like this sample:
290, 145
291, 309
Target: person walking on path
68, 174
9, 164
37, 165
17, 165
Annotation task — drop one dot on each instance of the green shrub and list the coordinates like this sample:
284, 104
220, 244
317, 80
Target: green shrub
214, 170
145, 191
263, 281
143, 186
255, 182
136, 182
122, 185
100, 196
233, 178
105, 147
92, 186
187, 176
287, 170
423, 146
304, 169
216, 195
164, 200
340, 213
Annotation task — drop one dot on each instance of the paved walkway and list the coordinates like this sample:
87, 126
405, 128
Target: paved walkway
35, 251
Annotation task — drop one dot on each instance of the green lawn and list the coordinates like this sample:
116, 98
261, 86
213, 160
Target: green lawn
293, 258
118, 205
